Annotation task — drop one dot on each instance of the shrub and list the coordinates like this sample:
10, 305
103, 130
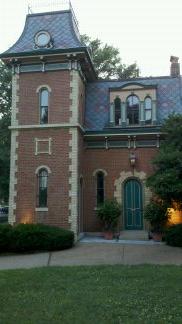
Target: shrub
34, 237
109, 213
156, 214
5, 235
173, 235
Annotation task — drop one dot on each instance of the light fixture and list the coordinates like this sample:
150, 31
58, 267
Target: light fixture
132, 158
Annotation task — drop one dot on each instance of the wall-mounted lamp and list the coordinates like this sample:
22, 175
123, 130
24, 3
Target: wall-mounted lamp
132, 159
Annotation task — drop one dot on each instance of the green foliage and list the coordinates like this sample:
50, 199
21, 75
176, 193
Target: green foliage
34, 237
156, 214
5, 113
166, 182
173, 235
5, 232
109, 213
107, 61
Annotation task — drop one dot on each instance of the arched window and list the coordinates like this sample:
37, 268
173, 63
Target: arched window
100, 188
117, 109
148, 110
132, 107
42, 187
44, 105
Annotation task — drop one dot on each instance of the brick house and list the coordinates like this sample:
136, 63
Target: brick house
76, 140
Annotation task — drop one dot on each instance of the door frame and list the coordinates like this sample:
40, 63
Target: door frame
123, 202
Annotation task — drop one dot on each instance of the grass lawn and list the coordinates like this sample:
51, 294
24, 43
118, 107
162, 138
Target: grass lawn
95, 294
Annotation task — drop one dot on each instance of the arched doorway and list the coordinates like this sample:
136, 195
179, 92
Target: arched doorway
133, 205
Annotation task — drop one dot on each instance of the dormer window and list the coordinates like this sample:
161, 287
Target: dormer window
117, 110
132, 108
43, 40
133, 104
148, 110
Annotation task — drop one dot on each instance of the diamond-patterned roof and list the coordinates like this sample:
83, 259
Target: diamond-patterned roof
60, 26
169, 99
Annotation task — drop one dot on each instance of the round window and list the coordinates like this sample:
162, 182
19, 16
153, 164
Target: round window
42, 39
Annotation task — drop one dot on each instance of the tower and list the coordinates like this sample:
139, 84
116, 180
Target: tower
50, 66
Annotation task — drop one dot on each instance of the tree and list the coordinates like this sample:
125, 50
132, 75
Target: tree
107, 61
5, 113
166, 182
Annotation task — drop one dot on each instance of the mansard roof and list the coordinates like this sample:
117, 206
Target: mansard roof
61, 26
169, 98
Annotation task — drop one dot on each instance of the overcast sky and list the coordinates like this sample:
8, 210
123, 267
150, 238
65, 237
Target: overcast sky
147, 32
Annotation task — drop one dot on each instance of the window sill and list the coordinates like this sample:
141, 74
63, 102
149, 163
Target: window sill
41, 209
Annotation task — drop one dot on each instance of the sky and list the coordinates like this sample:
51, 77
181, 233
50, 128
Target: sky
145, 32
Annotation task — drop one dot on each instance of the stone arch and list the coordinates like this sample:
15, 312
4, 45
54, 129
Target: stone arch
43, 86
42, 167
141, 176
119, 186
99, 170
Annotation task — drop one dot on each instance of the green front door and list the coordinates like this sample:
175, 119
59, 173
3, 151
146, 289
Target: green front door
133, 217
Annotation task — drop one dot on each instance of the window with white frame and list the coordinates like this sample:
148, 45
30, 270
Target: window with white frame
43, 105
148, 110
132, 110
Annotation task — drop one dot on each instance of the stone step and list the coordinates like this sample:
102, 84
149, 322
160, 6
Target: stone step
134, 235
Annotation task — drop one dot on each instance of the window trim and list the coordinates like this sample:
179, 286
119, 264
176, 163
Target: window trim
120, 119
41, 106
39, 204
147, 97
139, 108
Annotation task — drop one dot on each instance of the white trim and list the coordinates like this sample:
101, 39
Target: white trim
41, 209
38, 126
39, 140
43, 86
99, 170
42, 167
14, 155
74, 94
73, 181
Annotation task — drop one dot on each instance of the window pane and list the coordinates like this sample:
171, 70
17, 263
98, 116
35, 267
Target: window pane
43, 182
100, 188
44, 115
148, 115
148, 103
44, 97
117, 104
133, 110
148, 110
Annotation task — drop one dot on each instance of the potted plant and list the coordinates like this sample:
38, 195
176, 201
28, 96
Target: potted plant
109, 213
156, 213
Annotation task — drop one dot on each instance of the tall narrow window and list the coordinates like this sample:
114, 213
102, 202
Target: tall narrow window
148, 110
100, 188
117, 107
42, 187
44, 103
132, 110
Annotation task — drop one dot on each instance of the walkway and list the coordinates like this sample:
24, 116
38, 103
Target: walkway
97, 254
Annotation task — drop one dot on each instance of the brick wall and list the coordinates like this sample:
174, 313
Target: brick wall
58, 186
113, 161
59, 99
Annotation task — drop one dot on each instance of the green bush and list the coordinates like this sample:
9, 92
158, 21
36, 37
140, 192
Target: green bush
5, 235
35, 237
173, 235
109, 213
156, 214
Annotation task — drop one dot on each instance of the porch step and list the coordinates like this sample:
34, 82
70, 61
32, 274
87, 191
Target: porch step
134, 235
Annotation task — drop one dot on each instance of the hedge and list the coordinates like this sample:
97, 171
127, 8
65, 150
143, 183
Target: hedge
34, 237
173, 235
